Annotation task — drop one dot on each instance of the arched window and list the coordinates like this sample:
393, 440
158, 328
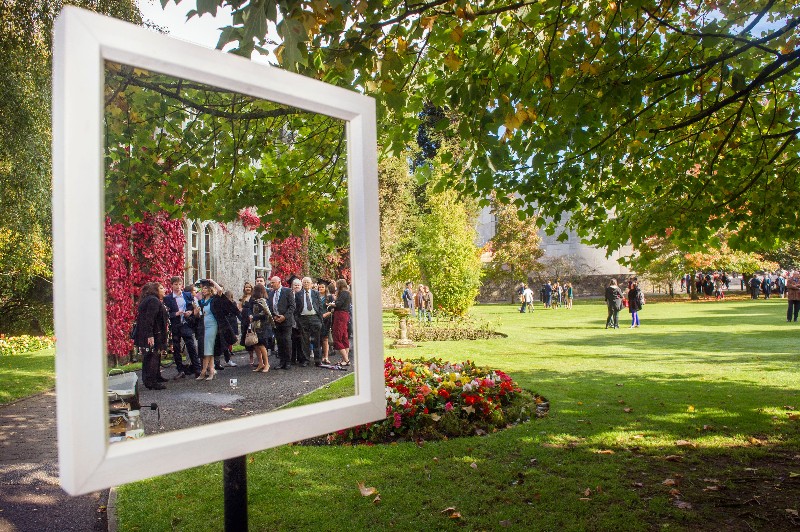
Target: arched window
207, 261
192, 254
261, 254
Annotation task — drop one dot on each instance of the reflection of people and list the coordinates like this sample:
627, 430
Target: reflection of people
341, 316
180, 307
327, 318
262, 326
308, 314
209, 290
281, 303
613, 297
152, 322
246, 308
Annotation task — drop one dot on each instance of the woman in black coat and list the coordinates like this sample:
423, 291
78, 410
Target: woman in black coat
152, 325
635, 302
262, 323
613, 299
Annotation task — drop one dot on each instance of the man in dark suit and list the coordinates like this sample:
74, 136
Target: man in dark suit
308, 314
180, 305
282, 305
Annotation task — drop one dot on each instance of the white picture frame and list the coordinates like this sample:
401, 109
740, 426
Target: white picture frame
83, 41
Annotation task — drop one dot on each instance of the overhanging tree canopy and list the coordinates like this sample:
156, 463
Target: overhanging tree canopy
634, 116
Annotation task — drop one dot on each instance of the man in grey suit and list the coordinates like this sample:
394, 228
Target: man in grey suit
282, 304
308, 314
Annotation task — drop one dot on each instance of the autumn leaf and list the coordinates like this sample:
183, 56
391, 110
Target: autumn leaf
473, 465
587, 492
366, 491
674, 492
627, 410
451, 512
605, 451
376, 500
683, 505
673, 458
669, 482
684, 443
690, 409
452, 61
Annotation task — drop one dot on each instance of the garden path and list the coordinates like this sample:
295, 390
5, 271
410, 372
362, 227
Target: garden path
31, 499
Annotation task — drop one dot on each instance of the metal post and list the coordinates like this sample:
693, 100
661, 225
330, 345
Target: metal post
234, 479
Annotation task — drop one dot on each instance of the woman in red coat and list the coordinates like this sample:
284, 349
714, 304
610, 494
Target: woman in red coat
341, 317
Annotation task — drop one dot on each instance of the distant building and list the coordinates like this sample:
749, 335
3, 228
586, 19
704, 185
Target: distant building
592, 259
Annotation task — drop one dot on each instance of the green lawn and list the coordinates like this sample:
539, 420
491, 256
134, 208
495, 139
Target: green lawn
26, 374
699, 397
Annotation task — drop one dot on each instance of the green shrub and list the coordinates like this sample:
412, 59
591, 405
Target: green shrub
16, 345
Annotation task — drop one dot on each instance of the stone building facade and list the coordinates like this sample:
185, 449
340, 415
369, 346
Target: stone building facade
228, 253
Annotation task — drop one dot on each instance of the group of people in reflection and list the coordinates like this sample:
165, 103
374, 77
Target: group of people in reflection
298, 325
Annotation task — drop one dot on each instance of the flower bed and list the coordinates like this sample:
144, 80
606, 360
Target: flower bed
15, 345
458, 329
428, 399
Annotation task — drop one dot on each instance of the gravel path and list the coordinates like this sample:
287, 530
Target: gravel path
31, 499
187, 402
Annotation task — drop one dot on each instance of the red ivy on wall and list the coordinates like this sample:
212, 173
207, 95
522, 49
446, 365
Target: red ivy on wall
289, 256
150, 250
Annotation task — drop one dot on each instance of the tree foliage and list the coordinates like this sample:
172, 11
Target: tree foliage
207, 153
515, 245
25, 138
399, 214
663, 261
448, 257
633, 115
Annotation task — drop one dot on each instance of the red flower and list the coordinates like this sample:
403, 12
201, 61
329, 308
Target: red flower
470, 400
443, 393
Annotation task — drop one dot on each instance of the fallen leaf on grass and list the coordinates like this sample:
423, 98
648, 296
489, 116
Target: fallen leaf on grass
755, 441
711, 488
711, 480
788, 407
627, 410
792, 474
674, 458
376, 500
669, 482
505, 523
473, 465
619, 384
621, 402
638, 485
790, 511
366, 491
451, 512
683, 505
587, 492
580, 402
101, 509
296, 453
605, 451
794, 417
674, 492
638, 436
684, 443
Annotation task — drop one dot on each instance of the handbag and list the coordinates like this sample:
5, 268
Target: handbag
251, 338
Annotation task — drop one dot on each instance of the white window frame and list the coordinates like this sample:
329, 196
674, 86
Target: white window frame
87, 462
262, 252
190, 275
